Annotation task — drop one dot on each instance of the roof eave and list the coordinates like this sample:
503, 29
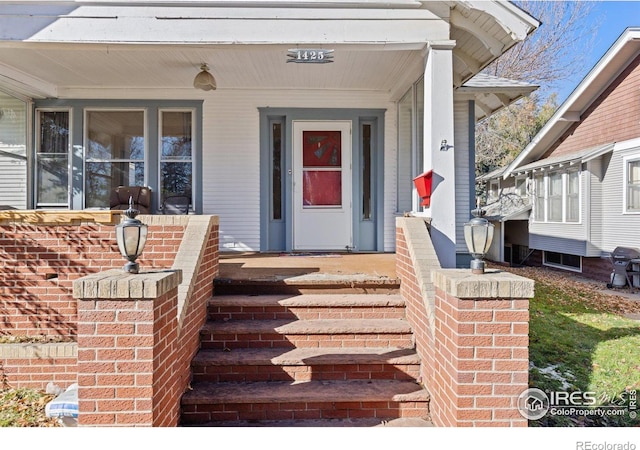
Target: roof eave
589, 89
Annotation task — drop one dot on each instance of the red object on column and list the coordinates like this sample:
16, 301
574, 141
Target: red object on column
423, 185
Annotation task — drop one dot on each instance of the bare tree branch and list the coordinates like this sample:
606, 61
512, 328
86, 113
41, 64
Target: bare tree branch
553, 53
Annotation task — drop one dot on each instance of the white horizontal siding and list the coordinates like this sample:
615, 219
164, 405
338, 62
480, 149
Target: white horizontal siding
618, 229
463, 173
558, 237
13, 182
231, 155
390, 176
593, 206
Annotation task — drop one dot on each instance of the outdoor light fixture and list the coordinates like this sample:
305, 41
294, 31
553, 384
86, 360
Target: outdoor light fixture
443, 145
478, 234
204, 80
131, 236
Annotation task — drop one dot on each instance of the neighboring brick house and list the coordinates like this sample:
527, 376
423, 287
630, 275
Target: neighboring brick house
580, 175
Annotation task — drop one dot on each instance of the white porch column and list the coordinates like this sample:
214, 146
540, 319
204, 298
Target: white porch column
438, 126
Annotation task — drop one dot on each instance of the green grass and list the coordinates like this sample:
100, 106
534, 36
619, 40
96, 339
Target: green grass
582, 335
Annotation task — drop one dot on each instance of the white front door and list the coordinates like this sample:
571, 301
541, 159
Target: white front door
322, 185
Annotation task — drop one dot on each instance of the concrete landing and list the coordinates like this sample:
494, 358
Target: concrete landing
330, 265
268, 273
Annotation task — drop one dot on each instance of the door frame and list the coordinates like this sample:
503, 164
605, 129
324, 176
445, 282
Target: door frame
277, 235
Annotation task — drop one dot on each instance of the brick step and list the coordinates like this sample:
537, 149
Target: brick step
305, 364
311, 400
333, 423
307, 284
307, 306
306, 333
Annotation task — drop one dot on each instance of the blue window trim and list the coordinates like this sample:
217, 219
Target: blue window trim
77, 107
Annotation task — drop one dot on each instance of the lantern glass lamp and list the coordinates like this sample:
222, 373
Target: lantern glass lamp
131, 236
478, 234
204, 80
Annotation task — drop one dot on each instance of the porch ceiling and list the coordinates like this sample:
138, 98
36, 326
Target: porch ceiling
58, 70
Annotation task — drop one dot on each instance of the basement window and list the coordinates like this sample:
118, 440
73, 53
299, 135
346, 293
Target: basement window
563, 261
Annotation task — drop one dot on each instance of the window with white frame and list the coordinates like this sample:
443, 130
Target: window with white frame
557, 196
115, 153
521, 186
410, 146
573, 197
539, 196
494, 190
632, 181
176, 153
52, 158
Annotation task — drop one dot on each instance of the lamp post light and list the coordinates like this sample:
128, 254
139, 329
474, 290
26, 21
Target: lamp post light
131, 236
478, 234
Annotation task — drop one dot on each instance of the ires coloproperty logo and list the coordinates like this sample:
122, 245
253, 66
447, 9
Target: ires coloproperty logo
534, 404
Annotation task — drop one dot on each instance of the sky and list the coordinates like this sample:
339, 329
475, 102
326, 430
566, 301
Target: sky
614, 18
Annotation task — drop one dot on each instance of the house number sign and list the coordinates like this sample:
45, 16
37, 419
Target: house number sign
310, 55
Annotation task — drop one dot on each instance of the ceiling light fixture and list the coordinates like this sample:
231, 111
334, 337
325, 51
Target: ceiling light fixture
204, 80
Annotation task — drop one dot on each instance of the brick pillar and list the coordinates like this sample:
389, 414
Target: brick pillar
127, 335
481, 348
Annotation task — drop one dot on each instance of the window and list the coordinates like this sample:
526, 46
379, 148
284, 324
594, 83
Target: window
539, 203
555, 197
405, 152
276, 169
560, 201
410, 146
115, 152
521, 186
633, 186
176, 154
494, 189
563, 261
52, 159
366, 171
573, 196
112, 147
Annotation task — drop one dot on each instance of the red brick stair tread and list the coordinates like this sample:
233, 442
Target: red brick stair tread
311, 279
309, 391
333, 423
307, 356
320, 283
309, 300
319, 326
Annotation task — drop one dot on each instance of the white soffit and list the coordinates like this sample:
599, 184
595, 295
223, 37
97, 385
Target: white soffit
483, 30
494, 93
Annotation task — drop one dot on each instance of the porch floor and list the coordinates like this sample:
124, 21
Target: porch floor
308, 266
